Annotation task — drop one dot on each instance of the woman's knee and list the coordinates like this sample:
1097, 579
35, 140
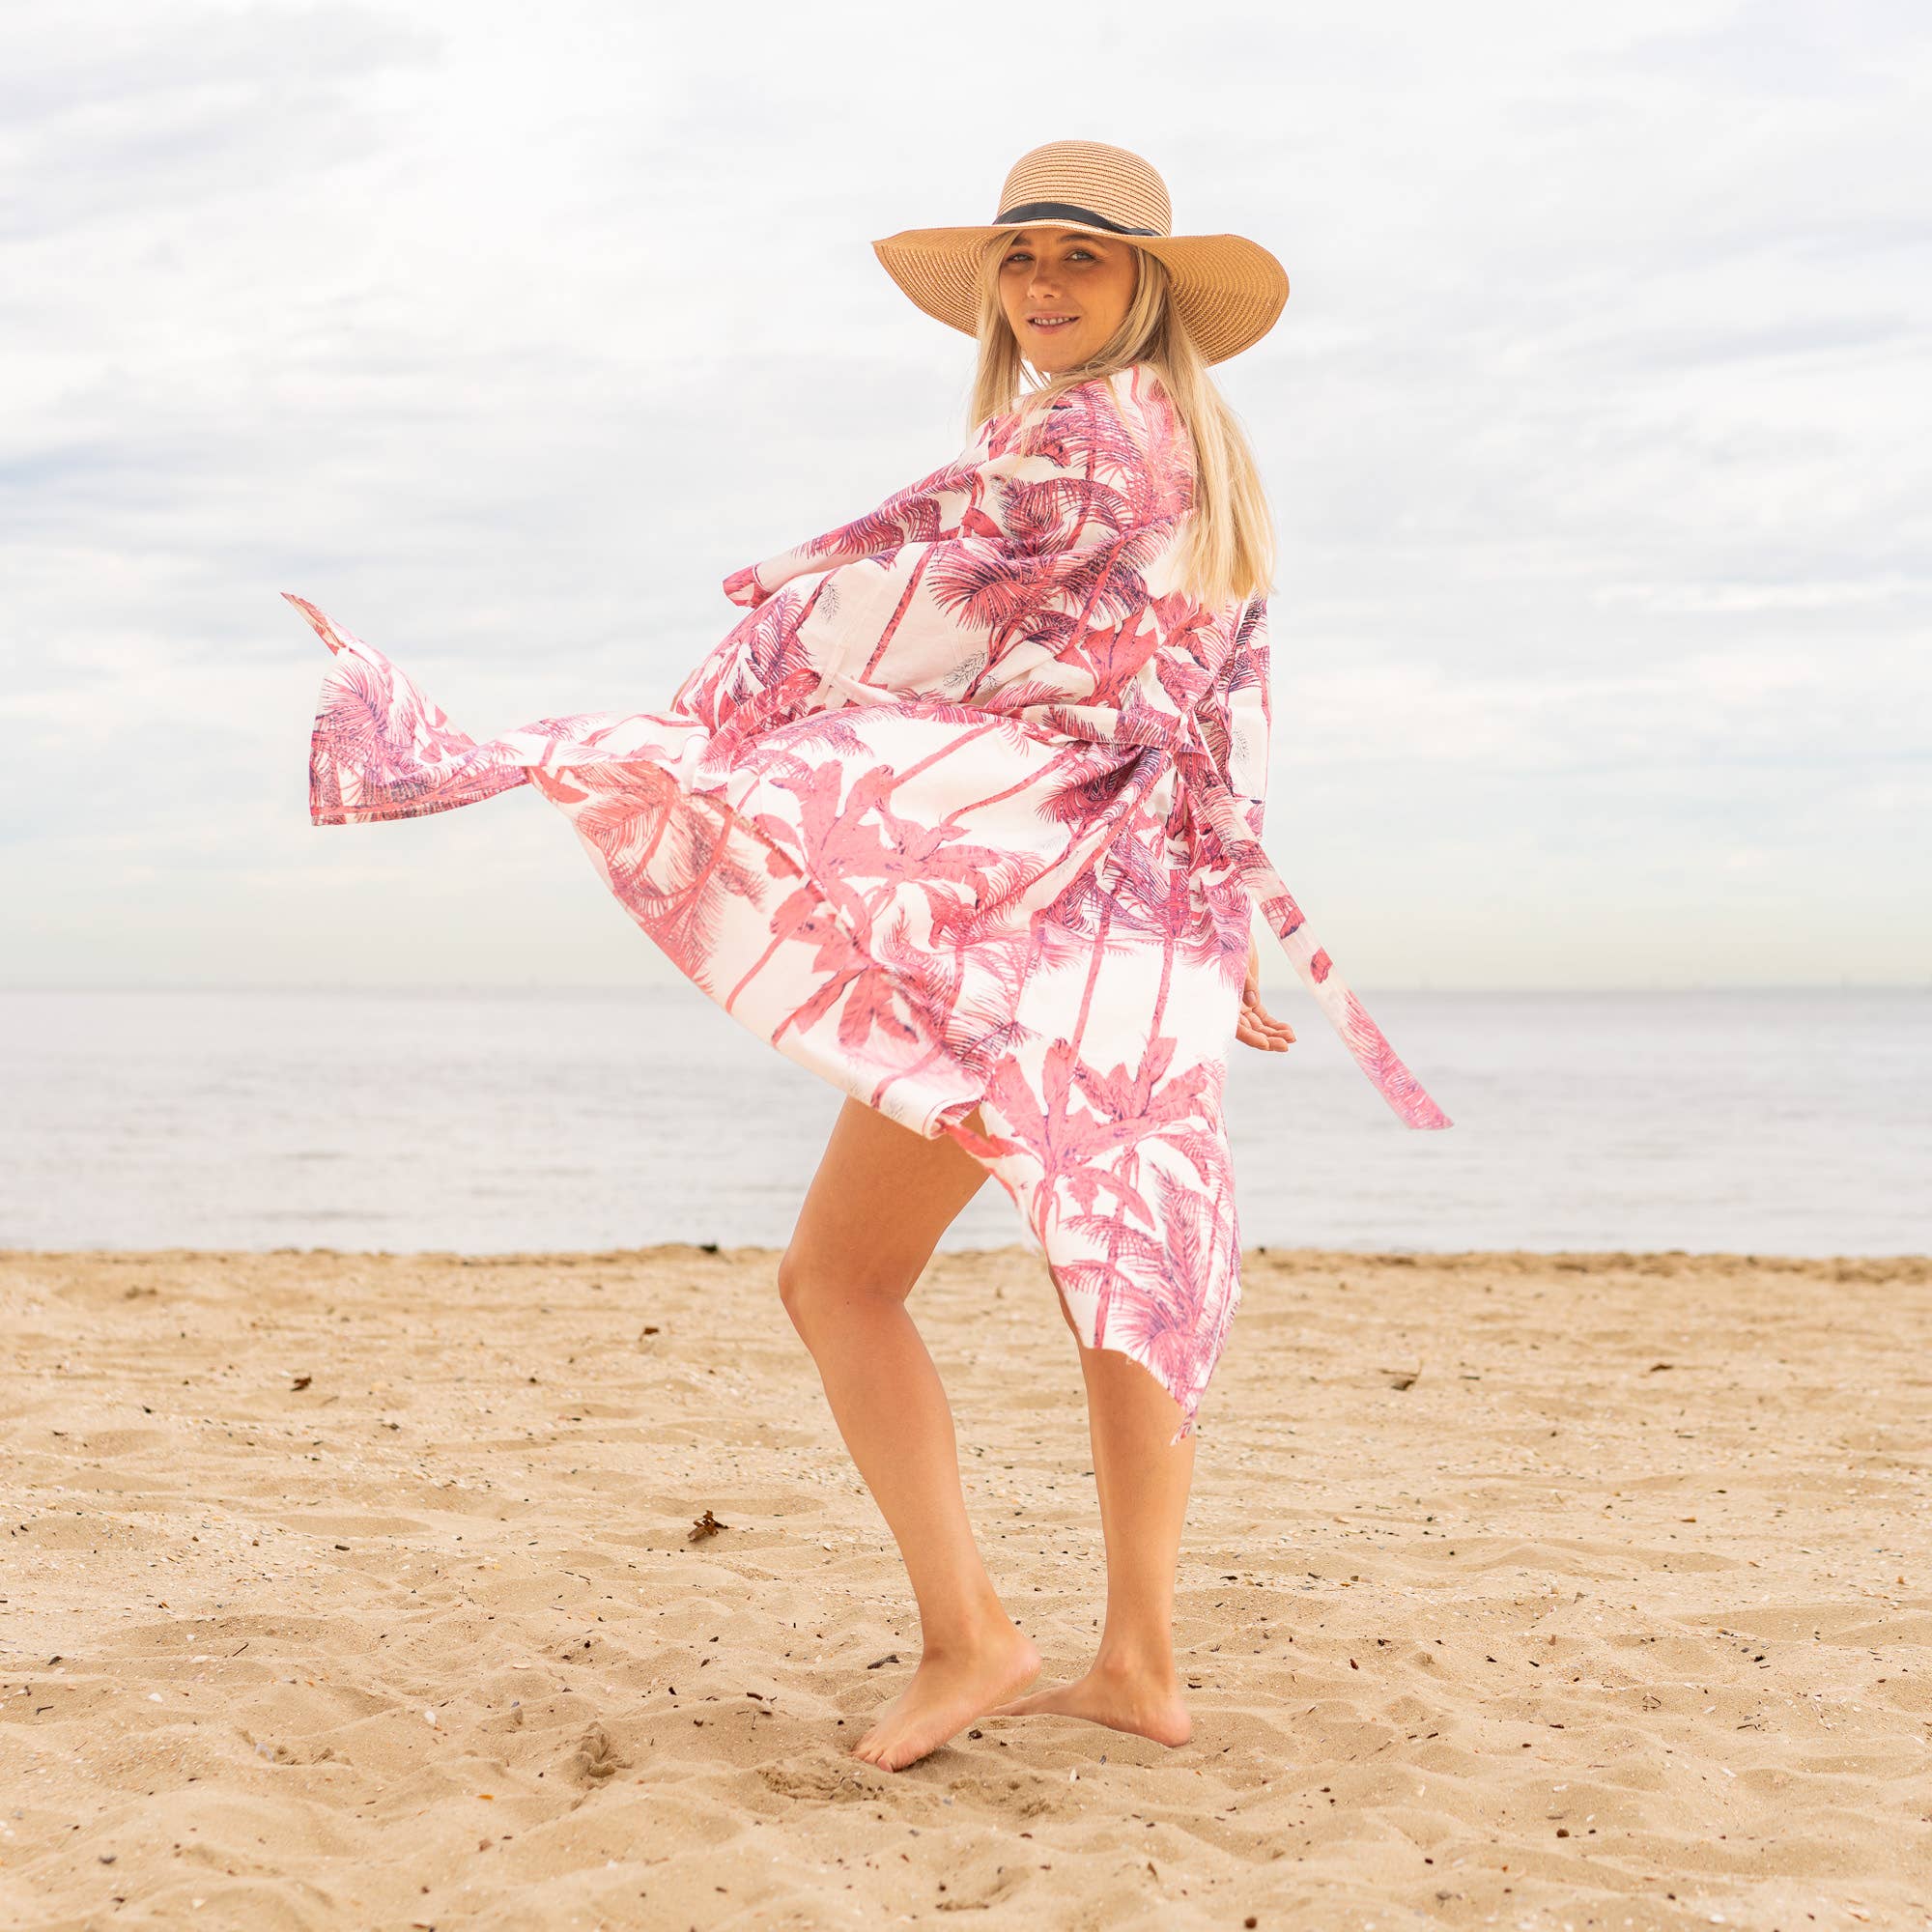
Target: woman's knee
818, 1289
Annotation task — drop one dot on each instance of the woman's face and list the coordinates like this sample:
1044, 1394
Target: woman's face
1064, 293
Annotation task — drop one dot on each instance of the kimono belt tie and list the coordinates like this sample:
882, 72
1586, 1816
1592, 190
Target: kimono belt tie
1217, 806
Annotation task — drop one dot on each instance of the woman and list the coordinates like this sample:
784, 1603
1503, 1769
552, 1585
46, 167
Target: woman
964, 815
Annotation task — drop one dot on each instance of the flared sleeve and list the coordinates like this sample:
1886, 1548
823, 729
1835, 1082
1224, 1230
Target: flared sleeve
990, 570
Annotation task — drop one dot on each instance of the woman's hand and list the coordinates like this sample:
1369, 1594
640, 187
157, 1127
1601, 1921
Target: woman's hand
1256, 1024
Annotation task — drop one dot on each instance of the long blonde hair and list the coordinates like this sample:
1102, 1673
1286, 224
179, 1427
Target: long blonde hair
1229, 550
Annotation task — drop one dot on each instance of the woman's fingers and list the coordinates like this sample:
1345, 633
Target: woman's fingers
1255, 1024
1259, 1028
1245, 1030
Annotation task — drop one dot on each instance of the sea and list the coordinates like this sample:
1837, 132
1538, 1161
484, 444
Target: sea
485, 1121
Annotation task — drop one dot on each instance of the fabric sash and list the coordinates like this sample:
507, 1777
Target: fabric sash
1220, 810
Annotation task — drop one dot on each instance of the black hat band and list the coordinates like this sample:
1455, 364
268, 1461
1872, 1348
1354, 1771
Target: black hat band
1065, 211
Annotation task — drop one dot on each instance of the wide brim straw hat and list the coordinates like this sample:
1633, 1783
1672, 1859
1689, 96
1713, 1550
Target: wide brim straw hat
1228, 289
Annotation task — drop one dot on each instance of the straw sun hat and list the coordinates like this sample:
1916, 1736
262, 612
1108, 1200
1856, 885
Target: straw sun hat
1228, 289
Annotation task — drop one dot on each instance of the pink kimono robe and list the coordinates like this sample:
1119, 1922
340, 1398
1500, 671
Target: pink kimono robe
963, 812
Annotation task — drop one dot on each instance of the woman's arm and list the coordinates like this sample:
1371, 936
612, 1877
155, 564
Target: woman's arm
981, 573
1236, 714
1238, 720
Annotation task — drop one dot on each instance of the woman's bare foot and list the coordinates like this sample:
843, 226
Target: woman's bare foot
947, 1690
1145, 1702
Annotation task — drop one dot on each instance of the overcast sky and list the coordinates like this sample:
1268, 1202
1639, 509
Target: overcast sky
1595, 428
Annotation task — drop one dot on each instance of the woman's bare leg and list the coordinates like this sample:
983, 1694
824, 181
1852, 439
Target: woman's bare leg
874, 1212
1143, 1480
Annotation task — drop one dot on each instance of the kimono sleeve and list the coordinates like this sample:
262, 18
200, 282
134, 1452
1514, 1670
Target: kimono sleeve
1239, 715
934, 508
979, 574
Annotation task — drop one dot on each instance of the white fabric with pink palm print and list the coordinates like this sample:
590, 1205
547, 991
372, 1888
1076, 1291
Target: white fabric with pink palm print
964, 811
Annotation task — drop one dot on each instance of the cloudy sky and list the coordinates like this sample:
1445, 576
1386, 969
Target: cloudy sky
1596, 429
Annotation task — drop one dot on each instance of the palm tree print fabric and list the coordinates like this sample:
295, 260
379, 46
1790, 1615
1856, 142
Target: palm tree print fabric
965, 812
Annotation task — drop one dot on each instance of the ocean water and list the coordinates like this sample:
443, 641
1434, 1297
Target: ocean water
1758, 1121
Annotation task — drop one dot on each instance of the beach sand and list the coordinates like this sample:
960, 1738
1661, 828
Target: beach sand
1526, 1590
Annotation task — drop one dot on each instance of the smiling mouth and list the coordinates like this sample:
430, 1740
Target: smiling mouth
1047, 324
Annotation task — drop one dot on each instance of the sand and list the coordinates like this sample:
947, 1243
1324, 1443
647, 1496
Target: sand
1523, 1590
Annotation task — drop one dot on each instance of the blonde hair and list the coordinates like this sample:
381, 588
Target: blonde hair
1229, 548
